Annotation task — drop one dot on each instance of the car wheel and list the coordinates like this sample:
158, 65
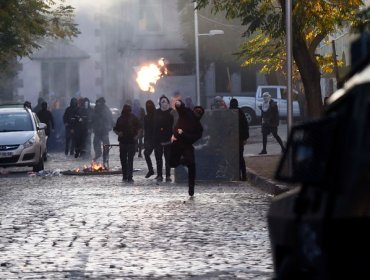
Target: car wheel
250, 115
39, 166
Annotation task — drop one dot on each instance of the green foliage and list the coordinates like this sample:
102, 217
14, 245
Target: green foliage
265, 25
24, 23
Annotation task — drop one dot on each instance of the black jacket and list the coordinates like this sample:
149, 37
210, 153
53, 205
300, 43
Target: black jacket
46, 117
163, 125
271, 116
102, 121
127, 128
189, 123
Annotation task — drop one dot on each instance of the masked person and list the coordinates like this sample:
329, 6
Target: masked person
102, 123
139, 112
270, 121
127, 128
83, 128
163, 124
149, 135
69, 120
243, 136
186, 132
46, 117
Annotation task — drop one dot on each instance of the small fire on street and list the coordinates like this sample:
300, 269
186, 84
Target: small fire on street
95, 168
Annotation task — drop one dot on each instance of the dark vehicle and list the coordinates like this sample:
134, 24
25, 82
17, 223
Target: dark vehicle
321, 230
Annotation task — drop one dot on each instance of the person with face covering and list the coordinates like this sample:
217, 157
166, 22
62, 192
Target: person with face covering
127, 128
243, 136
163, 124
69, 120
270, 121
83, 128
149, 134
46, 117
139, 112
186, 132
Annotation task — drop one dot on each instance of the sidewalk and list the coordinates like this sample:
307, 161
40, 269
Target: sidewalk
261, 168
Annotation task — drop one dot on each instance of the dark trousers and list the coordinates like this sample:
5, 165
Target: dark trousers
242, 169
148, 150
139, 145
159, 151
126, 155
70, 142
80, 140
273, 130
98, 140
182, 153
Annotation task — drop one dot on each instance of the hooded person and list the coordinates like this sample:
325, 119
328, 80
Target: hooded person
102, 123
83, 128
186, 132
69, 120
38, 107
127, 128
243, 136
163, 124
149, 136
46, 117
270, 121
139, 112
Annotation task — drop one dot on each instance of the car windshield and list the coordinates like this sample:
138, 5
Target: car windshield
15, 122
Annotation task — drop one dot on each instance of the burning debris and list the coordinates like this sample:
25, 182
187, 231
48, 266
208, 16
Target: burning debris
148, 75
95, 168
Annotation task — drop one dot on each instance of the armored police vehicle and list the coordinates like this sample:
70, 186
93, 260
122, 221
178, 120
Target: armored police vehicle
321, 230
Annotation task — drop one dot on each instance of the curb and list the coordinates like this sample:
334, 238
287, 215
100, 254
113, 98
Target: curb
265, 184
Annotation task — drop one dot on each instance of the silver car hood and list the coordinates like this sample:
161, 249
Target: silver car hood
15, 138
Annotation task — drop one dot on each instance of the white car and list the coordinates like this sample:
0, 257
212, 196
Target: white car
22, 138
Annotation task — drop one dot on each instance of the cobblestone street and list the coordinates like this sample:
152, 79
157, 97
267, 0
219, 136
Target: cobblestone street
97, 227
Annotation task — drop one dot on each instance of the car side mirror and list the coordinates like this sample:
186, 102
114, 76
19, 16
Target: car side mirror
42, 126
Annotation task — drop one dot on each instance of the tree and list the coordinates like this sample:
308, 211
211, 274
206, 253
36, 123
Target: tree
24, 23
312, 21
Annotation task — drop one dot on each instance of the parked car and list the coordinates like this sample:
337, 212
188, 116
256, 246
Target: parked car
249, 104
22, 138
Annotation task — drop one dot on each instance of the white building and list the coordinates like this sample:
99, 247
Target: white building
116, 38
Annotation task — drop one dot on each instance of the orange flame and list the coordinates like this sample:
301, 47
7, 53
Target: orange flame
93, 167
148, 75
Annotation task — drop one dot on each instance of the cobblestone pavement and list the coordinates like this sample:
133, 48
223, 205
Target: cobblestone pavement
97, 227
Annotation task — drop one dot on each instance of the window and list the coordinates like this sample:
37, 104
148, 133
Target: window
150, 16
284, 94
60, 78
222, 78
271, 91
248, 79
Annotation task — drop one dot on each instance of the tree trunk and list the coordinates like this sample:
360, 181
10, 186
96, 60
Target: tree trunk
310, 74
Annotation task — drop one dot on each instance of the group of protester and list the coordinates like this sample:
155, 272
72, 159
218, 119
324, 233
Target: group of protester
81, 121
169, 130
168, 138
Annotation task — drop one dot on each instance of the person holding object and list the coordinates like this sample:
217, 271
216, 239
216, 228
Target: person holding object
243, 136
127, 128
186, 132
270, 121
